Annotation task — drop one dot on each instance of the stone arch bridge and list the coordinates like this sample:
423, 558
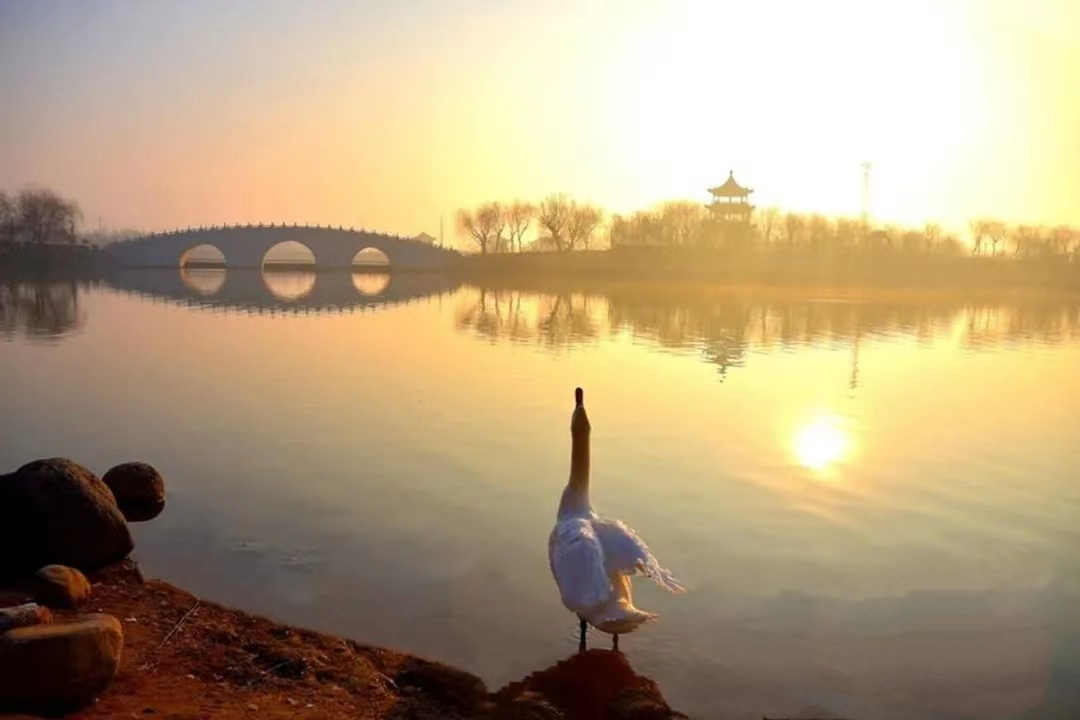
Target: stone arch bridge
246, 246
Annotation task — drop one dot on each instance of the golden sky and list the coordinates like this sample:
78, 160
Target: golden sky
389, 115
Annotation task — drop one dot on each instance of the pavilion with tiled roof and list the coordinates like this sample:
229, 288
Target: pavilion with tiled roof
731, 201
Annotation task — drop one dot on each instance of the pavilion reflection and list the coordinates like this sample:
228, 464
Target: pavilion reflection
724, 325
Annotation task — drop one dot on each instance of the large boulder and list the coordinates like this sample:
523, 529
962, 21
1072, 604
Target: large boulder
139, 490
59, 667
57, 512
59, 587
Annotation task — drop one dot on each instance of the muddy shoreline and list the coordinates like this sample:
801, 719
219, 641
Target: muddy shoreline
188, 657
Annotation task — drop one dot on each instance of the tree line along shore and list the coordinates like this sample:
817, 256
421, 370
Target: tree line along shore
562, 237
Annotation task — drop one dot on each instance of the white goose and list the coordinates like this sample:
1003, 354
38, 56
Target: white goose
593, 558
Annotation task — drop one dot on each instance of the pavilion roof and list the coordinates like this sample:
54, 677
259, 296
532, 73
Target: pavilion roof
730, 188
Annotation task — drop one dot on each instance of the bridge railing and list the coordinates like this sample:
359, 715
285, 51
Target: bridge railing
172, 232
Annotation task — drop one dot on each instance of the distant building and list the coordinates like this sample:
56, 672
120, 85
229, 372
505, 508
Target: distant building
731, 201
425, 238
727, 223
732, 209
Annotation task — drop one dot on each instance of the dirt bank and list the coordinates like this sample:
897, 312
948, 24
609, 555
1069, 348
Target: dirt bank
187, 658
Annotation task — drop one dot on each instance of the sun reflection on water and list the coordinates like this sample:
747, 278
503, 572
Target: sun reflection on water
821, 443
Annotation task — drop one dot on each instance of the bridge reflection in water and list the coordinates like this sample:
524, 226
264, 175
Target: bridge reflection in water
291, 291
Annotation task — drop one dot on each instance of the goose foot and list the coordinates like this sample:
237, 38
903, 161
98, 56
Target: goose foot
581, 642
615, 642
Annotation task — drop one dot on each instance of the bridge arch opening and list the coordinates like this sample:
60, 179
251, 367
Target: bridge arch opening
202, 269
289, 285
203, 280
371, 260
370, 284
288, 270
370, 271
290, 256
202, 256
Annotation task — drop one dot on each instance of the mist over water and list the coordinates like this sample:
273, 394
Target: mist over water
870, 496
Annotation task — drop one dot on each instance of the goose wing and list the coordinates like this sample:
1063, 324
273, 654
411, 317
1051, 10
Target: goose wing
577, 562
626, 553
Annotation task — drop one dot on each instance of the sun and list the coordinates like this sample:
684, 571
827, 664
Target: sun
821, 443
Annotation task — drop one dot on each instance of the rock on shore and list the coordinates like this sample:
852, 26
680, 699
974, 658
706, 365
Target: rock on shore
56, 511
54, 667
186, 657
139, 490
58, 586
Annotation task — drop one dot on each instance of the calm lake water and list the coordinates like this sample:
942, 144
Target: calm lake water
873, 503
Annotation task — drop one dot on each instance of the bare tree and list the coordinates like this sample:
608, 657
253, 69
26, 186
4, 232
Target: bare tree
553, 215
518, 216
985, 230
484, 225
1026, 240
1061, 238
768, 224
794, 228
932, 236
584, 220
619, 231
847, 233
641, 228
979, 234
7, 219
997, 231
680, 220
42, 216
819, 232
886, 238
950, 246
912, 242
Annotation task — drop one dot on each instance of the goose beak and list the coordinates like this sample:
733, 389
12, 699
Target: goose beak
579, 422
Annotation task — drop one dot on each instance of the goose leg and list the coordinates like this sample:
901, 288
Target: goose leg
581, 643
615, 642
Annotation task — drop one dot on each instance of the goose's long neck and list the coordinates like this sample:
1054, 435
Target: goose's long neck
575, 498
579, 463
